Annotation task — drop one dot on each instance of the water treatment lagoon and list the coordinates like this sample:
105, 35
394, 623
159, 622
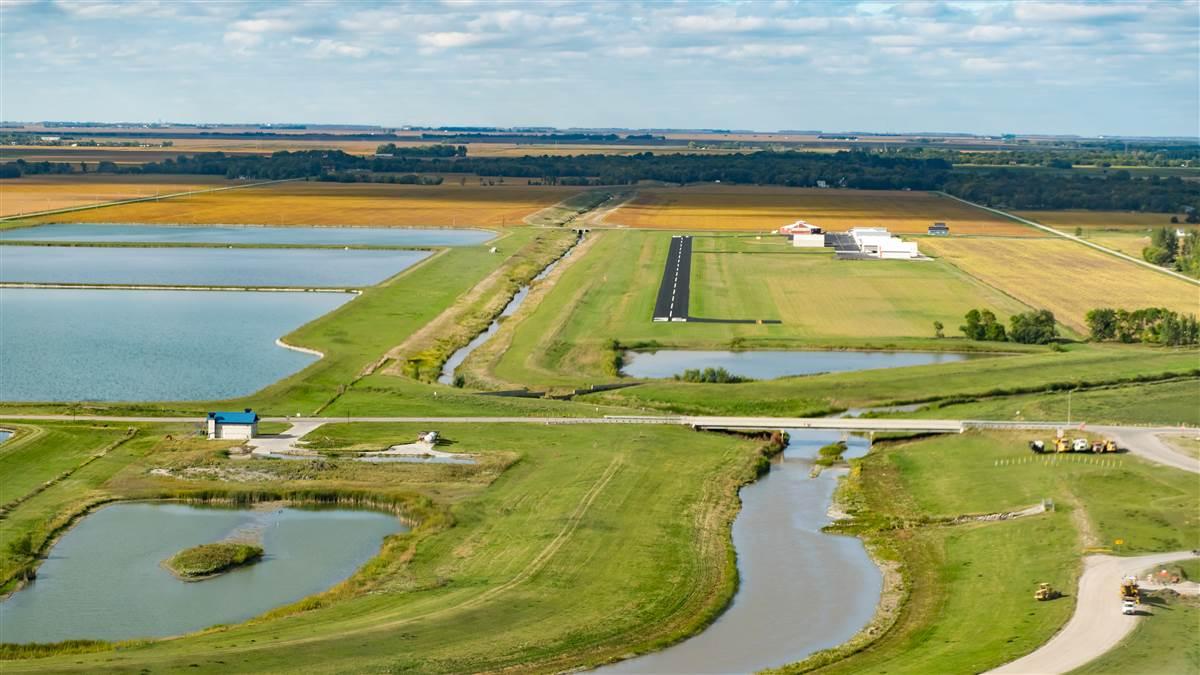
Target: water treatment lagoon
104, 578
766, 365
122, 345
800, 590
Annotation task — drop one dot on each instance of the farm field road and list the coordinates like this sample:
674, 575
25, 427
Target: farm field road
1140, 441
1097, 624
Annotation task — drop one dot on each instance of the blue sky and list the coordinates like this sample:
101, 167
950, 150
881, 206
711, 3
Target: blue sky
988, 67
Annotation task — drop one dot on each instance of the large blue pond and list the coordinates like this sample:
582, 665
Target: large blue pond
233, 234
106, 345
202, 266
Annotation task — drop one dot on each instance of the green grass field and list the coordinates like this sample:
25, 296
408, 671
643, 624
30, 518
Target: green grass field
609, 294
1167, 404
580, 508
970, 586
798, 396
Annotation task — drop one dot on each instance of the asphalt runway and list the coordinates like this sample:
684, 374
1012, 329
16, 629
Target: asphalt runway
673, 292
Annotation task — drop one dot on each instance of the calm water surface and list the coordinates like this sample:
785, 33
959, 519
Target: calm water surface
104, 579
766, 365
232, 234
5, 434
108, 345
801, 590
202, 266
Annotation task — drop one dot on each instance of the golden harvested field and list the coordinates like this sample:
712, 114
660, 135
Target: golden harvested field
313, 203
1129, 242
43, 193
752, 208
1098, 220
1064, 277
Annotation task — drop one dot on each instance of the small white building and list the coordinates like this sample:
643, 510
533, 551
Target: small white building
232, 425
808, 240
879, 243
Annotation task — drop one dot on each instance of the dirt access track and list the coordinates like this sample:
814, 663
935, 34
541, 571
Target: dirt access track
1097, 624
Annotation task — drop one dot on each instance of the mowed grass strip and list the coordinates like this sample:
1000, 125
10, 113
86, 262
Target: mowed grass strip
762, 209
30, 194
1065, 277
367, 204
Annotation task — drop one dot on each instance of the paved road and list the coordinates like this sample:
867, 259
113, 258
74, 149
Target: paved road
1140, 441
1146, 444
675, 289
1098, 624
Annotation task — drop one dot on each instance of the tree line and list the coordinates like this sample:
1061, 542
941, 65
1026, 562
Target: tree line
1001, 188
1167, 249
1031, 328
1154, 325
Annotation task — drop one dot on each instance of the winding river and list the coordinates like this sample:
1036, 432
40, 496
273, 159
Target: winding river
800, 591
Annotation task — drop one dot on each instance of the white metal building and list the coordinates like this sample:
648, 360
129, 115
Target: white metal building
879, 243
232, 425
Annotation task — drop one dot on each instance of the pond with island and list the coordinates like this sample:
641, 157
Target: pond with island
105, 578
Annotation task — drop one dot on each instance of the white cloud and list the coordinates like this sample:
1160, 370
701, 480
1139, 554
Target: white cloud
1077, 11
326, 48
702, 23
450, 39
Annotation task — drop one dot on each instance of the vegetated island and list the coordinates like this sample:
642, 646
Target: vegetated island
209, 560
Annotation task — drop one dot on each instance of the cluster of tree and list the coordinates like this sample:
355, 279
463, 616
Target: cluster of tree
1179, 253
1031, 328
1155, 325
710, 376
439, 150
1017, 189
22, 168
364, 177
1152, 156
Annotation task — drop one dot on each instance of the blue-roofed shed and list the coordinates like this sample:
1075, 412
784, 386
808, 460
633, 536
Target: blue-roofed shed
232, 425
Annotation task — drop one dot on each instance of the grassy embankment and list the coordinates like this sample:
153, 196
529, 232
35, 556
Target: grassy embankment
208, 560
609, 294
320, 203
707, 206
624, 517
1166, 403
423, 353
564, 212
967, 585
1080, 366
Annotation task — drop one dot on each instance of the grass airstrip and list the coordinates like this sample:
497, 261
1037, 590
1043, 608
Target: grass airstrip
762, 209
567, 546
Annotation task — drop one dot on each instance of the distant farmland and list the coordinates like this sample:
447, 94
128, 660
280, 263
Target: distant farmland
1064, 277
43, 193
316, 203
1100, 220
751, 208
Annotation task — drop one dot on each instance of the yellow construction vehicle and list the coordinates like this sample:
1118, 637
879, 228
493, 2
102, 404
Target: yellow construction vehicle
1130, 591
1104, 445
1062, 445
1045, 592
